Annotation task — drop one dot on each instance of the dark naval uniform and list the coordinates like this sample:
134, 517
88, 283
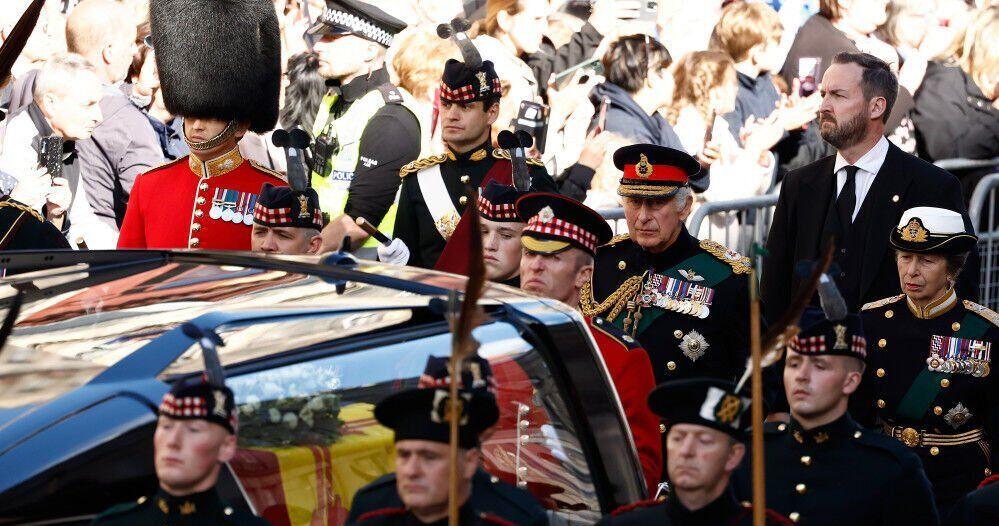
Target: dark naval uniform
489, 495
200, 509
978, 508
929, 382
724, 511
23, 228
467, 516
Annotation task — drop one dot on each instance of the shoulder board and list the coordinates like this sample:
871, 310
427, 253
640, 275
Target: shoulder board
612, 331
267, 170
390, 94
500, 153
381, 513
17, 205
740, 264
893, 447
648, 503
124, 507
617, 239
983, 311
489, 518
167, 164
991, 480
881, 302
421, 164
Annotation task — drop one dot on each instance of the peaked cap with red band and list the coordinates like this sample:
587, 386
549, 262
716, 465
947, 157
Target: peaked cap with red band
282, 206
653, 171
461, 83
556, 223
498, 202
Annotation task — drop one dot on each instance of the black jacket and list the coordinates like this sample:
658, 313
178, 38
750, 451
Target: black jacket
904, 182
953, 118
548, 60
627, 119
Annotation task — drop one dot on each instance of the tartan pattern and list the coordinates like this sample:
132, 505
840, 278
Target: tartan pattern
563, 229
186, 406
500, 211
817, 345
467, 92
282, 216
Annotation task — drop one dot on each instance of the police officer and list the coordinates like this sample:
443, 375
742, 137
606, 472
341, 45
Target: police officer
685, 300
286, 221
705, 443
417, 493
205, 200
366, 128
823, 468
434, 189
929, 381
195, 436
559, 241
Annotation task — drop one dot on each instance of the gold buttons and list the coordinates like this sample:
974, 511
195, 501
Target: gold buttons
203, 186
881, 403
806, 460
938, 410
662, 428
678, 334
621, 265
494, 479
945, 383
143, 499
227, 510
781, 427
671, 365
882, 343
801, 489
194, 242
794, 516
462, 200
880, 373
934, 451
195, 226
465, 179
956, 326
201, 200
198, 213
889, 313
857, 434
988, 472
894, 198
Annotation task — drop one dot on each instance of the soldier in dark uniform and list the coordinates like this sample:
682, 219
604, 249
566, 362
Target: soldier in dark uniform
501, 228
23, 228
286, 221
434, 190
195, 436
823, 468
708, 428
978, 508
685, 300
929, 381
490, 500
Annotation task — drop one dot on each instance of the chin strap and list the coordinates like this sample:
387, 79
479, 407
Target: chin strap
214, 142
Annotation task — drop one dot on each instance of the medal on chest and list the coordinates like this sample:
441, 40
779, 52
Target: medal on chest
677, 295
959, 355
232, 206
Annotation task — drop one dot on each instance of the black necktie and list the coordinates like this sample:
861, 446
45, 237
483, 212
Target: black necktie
847, 199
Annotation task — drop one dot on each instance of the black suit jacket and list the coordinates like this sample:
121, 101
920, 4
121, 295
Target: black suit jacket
796, 231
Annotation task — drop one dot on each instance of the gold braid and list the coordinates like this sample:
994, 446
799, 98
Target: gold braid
617, 299
23, 208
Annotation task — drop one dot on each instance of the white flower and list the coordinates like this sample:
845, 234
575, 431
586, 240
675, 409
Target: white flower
290, 420
274, 415
309, 420
315, 404
247, 409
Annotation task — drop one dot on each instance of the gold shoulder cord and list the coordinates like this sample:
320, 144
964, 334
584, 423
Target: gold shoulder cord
983, 311
421, 164
23, 208
882, 302
615, 302
267, 170
739, 263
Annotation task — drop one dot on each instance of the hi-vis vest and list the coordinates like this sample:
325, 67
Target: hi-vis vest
346, 131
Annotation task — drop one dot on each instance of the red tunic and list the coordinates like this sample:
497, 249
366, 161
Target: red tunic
631, 371
192, 204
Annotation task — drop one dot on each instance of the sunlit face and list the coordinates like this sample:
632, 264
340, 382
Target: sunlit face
422, 469
342, 56
501, 248
121, 52
654, 223
845, 113
923, 277
200, 130
465, 124
556, 276
285, 240
699, 458
189, 453
816, 385
864, 16
527, 28
74, 112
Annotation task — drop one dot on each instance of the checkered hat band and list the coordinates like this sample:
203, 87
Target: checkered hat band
357, 25
188, 406
817, 345
467, 92
282, 216
563, 229
500, 211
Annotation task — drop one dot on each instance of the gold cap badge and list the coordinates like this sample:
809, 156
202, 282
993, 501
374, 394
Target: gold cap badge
643, 168
914, 231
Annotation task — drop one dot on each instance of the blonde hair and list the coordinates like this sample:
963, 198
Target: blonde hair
419, 60
744, 25
490, 24
980, 54
696, 74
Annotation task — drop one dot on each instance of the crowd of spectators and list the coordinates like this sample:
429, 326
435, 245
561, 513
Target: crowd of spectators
737, 84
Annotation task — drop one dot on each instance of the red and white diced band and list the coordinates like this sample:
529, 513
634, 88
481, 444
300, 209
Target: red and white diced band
467, 92
500, 211
186, 406
563, 229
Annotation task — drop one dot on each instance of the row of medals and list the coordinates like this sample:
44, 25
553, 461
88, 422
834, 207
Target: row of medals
976, 368
230, 214
688, 307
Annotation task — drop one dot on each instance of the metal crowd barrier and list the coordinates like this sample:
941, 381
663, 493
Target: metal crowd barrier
982, 209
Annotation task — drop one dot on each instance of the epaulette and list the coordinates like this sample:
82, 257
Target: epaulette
612, 331
421, 164
740, 264
267, 170
989, 480
881, 302
500, 153
983, 311
10, 203
893, 447
648, 503
617, 239
489, 518
166, 165
381, 513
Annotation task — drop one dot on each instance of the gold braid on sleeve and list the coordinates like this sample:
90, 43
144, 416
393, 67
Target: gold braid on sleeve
615, 302
24, 208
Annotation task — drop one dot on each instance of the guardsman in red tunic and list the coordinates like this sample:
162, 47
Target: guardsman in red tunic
559, 241
205, 200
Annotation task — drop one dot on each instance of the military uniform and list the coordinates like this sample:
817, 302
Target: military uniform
467, 516
23, 228
192, 204
978, 508
929, 382
161, 509
724, 511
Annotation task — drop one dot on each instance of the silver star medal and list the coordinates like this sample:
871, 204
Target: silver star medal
694, 345
957, 416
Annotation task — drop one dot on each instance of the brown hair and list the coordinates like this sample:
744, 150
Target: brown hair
829, 9
419, 62
877, 79
629, 60
743, 25
695, 76
490, 25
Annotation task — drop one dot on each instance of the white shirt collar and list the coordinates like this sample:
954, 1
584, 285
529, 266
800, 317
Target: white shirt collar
870, 162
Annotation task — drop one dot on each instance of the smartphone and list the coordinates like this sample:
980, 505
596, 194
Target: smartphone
809, 72
533, 118
562, 78
50, 155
